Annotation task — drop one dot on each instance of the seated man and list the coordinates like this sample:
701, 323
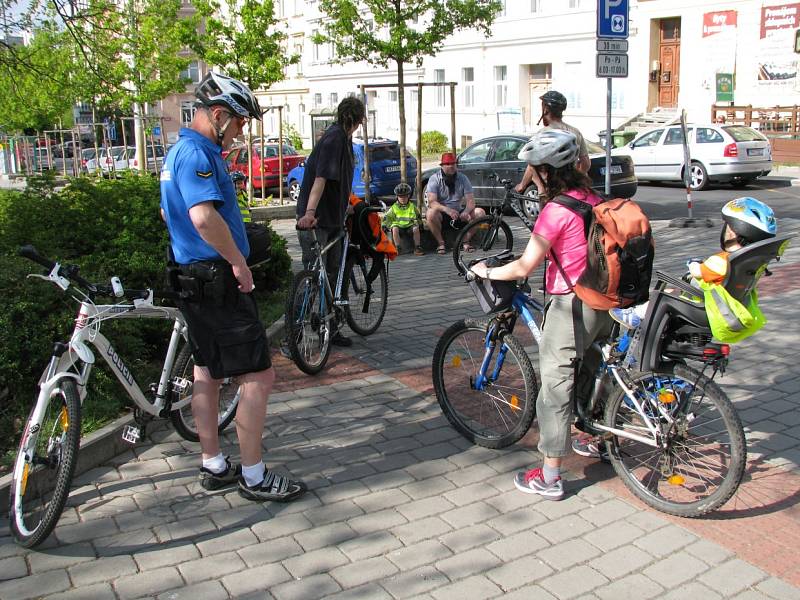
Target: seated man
450, 201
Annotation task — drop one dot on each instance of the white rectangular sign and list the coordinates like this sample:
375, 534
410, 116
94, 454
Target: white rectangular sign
612, 65
615, 46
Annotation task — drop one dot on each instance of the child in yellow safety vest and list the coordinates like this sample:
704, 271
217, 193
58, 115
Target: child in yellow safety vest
404, 215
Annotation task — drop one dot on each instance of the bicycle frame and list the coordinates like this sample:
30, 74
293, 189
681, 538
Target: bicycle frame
75, 359
319, 267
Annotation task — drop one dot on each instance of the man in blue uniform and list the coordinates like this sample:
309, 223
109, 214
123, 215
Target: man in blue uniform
209, 245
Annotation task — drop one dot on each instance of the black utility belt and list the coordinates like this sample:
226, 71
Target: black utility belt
204, 281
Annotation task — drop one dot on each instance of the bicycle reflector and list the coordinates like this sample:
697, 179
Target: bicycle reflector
676, 479
456, 361
515, 402
666, 396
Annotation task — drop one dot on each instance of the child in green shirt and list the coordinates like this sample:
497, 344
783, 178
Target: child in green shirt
403, 215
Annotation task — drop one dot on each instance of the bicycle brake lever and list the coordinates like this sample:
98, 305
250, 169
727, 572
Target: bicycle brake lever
53, 277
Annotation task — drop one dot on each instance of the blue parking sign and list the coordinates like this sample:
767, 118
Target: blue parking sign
612, 19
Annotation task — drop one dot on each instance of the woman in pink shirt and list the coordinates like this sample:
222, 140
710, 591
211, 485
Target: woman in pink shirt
560, 231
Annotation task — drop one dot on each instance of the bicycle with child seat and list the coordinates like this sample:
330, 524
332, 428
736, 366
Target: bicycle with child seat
673, 436
491, 234
48, 450
315, 312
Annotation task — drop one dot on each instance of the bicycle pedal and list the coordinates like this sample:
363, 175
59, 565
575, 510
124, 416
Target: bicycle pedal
341, 303
132, 434
180, 384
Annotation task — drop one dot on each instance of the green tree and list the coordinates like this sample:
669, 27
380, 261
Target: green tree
405, 31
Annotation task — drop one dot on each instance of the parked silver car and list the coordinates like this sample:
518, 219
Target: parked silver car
719, 153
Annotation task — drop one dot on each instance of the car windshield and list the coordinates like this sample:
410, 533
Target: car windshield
384, 152
117, 152
272, 150
741, 133
89, 153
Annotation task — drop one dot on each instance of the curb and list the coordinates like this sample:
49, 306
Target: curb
267, 213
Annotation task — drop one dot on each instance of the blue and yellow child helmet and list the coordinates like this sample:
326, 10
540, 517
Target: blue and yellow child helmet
750, 219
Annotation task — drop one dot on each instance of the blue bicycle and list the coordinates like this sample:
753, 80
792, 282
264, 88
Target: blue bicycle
673, 435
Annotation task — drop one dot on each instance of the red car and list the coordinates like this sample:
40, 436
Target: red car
263, 164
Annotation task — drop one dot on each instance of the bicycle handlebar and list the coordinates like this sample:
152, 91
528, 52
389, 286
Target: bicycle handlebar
71, 272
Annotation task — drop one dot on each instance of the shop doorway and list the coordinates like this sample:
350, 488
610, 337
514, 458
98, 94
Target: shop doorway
669, 56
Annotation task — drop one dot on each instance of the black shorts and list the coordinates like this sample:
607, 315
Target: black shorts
452, 223
225, 332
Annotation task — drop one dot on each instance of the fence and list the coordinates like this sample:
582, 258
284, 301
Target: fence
779, 123
88, 148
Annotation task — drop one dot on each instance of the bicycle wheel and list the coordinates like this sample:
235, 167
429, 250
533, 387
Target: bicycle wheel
181, 417
45, 465
703, 458
308, 324
501, 413
366, 305
488, 235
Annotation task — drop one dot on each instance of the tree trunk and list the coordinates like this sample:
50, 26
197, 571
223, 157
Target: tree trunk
138, 136
401, 102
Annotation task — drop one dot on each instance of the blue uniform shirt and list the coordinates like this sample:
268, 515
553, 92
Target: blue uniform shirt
194, 172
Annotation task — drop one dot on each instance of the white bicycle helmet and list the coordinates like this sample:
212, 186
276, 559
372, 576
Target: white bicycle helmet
750, 219
552, 147
220, 90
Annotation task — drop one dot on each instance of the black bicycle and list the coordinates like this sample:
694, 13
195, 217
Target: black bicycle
490, 235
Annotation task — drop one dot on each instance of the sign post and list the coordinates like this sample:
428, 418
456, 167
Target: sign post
612, 59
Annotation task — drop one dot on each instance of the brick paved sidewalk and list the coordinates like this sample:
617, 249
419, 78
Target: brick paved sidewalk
401, 506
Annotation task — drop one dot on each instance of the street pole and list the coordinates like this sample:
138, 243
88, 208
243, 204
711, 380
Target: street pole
687, 162
608, 137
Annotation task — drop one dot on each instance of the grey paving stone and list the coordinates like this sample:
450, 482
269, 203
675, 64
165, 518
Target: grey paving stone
469, 515
520, 572
392, 477
632, 587
166, 555
321, 560
564, 528
185, 529
327, 535
363, 571
693, 589
98, 591
751, 595
35, 586
512, 521
614, 535
529, 592
665, 541
256, 579
420, 530
341, 491
430, 468
375, 521
270, 551
369, 545
419, 509
211, 567
434, 451
59, 558
280, 525
517, 545
208, 590
709, 552
419, 554
369, 591
621, 561
242, 515
555, 510
470, 493
778, 589
102, 569
607, 512
308, 588
573, 582
82, 532
566, 554
333, 513
149, 583
647, 521
225, 541
464, 538
472, 474
477, 560
12, 568
732, 577
473, 588
432, 486
411, 584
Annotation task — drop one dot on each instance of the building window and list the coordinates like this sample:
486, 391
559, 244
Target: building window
315, 50
301, 118
441, 91
331, 51
574, 4
317, 100
334, 99
503, 8
536, 6
298, 50
392, 95
187, 112
466, 140
501, 85
468, 79
192, 72
541, 71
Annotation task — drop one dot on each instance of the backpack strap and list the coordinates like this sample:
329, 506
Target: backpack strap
583, 210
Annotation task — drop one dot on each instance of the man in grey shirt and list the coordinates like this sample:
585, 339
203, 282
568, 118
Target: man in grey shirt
450, 201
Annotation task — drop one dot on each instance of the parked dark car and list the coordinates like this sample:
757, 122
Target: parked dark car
384, 168
498, 155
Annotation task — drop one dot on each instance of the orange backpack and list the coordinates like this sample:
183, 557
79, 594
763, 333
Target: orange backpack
619, 253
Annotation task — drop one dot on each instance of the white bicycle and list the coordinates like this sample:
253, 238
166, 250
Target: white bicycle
48, 450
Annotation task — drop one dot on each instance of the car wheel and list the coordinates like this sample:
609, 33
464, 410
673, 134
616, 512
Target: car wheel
294, 190
699, 177
531, 206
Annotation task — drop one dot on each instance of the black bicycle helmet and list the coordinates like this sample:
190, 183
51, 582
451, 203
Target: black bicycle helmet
220, 90
402, 189
555, 100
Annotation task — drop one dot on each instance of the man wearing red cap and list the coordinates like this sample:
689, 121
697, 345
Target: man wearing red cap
450, 201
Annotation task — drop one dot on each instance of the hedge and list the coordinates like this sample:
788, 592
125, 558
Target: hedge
107, 227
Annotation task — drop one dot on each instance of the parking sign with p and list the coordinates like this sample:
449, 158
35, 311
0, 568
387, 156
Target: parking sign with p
612, 19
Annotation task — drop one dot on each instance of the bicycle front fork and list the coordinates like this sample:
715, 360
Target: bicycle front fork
480, 381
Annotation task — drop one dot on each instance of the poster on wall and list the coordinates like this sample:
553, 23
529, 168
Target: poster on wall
777, 63
719, 51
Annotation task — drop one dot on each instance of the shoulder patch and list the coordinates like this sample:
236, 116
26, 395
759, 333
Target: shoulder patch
204, 174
